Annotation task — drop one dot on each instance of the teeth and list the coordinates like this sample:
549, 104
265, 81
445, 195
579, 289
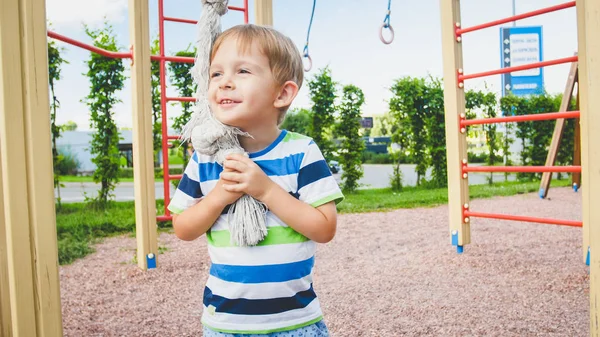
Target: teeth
226, 101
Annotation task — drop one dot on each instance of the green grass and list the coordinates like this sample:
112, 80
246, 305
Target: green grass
89, 179
384, 199
175, 159
79, 226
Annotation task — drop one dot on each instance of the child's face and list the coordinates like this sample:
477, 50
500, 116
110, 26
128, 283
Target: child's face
242, 89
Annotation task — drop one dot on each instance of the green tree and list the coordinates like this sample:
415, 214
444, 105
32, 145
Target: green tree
106, 79
347, 130
567, 143
298, 120
535, 136
182, 79
323, 94
436, 132
156, 106
407, 107
383, 125
487, 104
69, 126
55, 61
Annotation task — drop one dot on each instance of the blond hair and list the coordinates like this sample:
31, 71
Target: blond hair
284, 58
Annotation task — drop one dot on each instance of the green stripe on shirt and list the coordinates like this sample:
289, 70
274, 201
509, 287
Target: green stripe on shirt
338, 197
276, 236
293, 136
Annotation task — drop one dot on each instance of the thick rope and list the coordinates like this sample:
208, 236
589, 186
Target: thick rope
247, 216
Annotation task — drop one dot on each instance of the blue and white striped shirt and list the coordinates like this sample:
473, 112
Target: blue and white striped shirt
267, 287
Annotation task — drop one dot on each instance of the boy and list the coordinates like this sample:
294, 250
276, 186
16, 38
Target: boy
255, 74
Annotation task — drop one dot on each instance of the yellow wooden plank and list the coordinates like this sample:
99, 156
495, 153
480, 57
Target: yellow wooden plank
576, 177
5, 323
14, 172
588, 17
143, 161
454, 103
558, 130
40, 176
583, 121
589, 25
263, 12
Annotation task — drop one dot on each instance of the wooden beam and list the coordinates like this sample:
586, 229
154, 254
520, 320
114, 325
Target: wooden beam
558, 130
18, 252
588, 25
584, 108
576, 177
27, 174
456, 141
5, 321
40, 173
143, 150
263, 12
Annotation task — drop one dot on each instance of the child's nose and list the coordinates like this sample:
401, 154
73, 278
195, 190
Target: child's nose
227, 83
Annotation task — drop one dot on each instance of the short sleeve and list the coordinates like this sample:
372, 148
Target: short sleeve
316, 184
188, 192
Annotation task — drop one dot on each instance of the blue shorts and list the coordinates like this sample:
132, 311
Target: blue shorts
318, 329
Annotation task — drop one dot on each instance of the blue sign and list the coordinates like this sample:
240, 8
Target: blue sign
520, 46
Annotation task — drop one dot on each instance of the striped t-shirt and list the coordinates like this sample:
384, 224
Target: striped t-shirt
267, 287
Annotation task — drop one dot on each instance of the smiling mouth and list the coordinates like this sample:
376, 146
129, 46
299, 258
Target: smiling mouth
228, 101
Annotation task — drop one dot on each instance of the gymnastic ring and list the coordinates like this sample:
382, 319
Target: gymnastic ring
381, 33
307, 69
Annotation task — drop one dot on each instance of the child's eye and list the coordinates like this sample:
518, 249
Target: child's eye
244, 71
215, 74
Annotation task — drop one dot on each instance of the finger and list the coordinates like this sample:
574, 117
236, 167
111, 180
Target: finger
235, 165
234, 188
231, 176
239, 157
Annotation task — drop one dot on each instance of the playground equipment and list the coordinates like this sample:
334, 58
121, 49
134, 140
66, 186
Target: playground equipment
557, 136
29, 282
386, 24
142, 156
588, 23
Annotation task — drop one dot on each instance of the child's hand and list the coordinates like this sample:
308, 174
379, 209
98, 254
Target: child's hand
248, 177
222, 195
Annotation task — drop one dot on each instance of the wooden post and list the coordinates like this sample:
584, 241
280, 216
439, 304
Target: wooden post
583, 121
143, 151
5, 322
588, 25
27, 174
558, 130
576, 176
456, 140
263, 12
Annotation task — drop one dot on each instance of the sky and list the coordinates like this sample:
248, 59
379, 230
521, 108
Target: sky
344, 37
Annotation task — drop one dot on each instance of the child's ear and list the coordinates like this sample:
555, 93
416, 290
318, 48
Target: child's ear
287, 93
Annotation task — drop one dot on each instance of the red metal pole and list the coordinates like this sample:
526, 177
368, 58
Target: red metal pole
524, 118
569, 59
181, 99
179, 59
168, 18
233, 8
523, 218
529, 169
94, 49
164, 218
163, 107
460, 31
